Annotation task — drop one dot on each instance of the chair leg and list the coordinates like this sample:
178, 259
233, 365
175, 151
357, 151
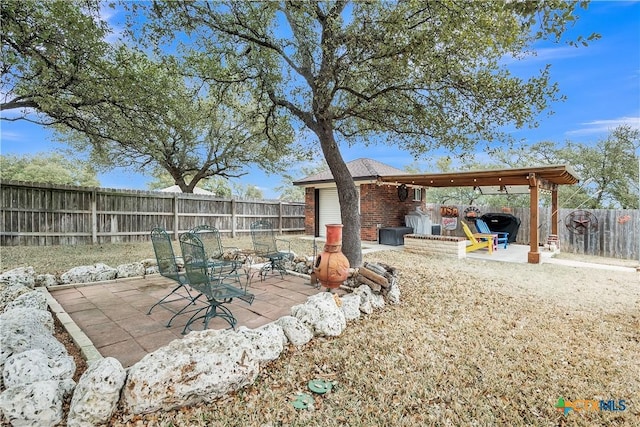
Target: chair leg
182, 310
180, 297
214, 309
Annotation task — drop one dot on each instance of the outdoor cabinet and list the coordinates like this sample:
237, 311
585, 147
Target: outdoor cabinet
393, 236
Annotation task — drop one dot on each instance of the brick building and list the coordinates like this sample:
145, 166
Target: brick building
381, 205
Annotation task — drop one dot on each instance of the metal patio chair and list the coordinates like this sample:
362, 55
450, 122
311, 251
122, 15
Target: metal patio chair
168, 268
212, 242
217, 285
266, 246
215, 252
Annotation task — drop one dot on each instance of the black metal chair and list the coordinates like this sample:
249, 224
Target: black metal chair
168, 268
266, 246
217, 285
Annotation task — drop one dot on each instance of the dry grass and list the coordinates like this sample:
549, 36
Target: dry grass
472, 343
598, 260
58, 259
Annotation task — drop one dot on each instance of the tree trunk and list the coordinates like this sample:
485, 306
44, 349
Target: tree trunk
347, 195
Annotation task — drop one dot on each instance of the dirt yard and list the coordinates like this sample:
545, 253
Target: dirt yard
472, 343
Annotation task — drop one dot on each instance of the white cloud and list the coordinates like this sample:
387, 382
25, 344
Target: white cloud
547, 54
111, 16
12, 136
605, 126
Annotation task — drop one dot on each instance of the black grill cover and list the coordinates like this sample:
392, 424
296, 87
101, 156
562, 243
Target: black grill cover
503, 222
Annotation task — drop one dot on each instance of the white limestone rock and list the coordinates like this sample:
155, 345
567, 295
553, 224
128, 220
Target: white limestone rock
89, 273
365, 294
134, 269
321, 314
9, 292
22, 275
200, 367
35, 365
46, 280
96, 396
23, 329
35, 404
393, 296
296, 332
149, 262
152, 270
31, 299
377, 301
351, 307
268, 341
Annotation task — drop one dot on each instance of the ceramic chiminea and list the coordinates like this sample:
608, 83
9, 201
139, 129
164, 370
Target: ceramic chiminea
331, 266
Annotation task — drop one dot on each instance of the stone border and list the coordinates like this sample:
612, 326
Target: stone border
89, 352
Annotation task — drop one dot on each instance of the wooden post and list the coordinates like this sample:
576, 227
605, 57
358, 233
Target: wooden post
534, 195
94, 217
233, 217
176, 231
280, 216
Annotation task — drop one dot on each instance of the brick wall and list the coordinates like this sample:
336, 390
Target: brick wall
379, 204
309, 211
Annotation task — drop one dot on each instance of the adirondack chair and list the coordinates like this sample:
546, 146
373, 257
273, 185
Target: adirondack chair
218, 288
502, 236
266, 246
168, 268
476, 239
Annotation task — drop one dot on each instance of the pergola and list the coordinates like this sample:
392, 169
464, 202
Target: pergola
504, 181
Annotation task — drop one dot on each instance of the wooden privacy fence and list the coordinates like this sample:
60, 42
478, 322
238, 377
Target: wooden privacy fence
43, 214
617, 234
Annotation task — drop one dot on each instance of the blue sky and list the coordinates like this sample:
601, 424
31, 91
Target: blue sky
601, 83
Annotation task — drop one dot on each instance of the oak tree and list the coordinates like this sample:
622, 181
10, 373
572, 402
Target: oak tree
410, 73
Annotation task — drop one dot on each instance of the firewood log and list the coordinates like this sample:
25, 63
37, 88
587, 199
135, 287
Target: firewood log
376, 268
380, 280
373, 285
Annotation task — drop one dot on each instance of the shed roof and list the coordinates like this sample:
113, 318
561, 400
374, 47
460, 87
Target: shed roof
360, 169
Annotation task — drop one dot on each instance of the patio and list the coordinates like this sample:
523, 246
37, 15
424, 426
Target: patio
113, 315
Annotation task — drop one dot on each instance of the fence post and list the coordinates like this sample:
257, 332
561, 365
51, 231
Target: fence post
280, 215
176, 231
233, 217
94, 217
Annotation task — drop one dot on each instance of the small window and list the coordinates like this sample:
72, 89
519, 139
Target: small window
417, 194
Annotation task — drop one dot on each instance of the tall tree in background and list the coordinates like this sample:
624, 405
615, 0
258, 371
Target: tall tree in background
610, 165
293, 193
51, 168
52, 54
416, 74
122, 107
191, 129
